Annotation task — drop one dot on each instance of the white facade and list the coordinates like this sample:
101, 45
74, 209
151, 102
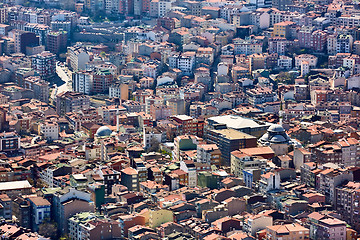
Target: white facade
50, 130
223, 69
284, 62
82, 82
78, 58
164, 80
150, 136
158, 8
311, 59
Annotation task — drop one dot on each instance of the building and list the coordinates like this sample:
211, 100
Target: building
40, 88
318, 40
305, 36
6, 203
260, 95
40, 211
119, 90
22, 212
229, 140
71, 102
289, 231
78, 57
184, 61
253, 224
241, 162
331, 228
66, 202
49, 130
152, 137
311, 59
91, 226
158, 8
109, 176
82, 82
269, 181
188, 125
102, 80
24, 39
247, 46
57, 42
282, 29
130, 179
209, 154
277, 139
344, 43
184, 143
9, 141
242, 124
45, 64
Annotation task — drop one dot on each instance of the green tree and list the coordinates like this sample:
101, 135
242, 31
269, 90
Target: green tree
48, 229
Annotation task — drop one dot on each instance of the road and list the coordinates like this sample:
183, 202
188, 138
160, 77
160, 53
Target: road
65, 74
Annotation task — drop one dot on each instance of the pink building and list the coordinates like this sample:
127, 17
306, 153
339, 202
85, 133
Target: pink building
318, 40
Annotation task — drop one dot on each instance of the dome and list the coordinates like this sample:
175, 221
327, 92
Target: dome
276, 128
103, 132
265, 138
278, 139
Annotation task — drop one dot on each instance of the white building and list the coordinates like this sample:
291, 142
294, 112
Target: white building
82, 82
118, 90
78, 57
49, 130
269, 181
185, 62
260, 18
151, 136
158, 8
190, 169
305, 68
311, 59
285, 62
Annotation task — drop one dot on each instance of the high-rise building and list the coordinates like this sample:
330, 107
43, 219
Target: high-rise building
57, 42
71, 102
82, 82
45, 64
24, 39
102, 80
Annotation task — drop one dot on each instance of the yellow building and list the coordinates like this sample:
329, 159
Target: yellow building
155, 217
282, 29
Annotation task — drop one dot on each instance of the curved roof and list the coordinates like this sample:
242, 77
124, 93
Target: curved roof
103, 131
276, 128
278, 139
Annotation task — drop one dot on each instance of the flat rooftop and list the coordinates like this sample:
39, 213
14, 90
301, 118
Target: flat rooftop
233, 134
237, 122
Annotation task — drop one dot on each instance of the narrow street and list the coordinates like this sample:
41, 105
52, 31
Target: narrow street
65, 74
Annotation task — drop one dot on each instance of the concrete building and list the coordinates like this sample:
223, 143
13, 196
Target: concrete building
229, 140
130, 179
39, 86
45, 64
49, 130
71, 102
40, 211
57, 42
78, 57
209, 154
292, 231
241, 162
82, 82
118, 90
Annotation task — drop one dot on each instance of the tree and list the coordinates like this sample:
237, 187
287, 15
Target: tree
48, 229
154, 145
